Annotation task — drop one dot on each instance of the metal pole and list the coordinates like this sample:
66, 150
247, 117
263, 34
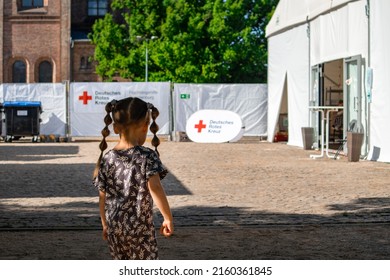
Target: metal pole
67, 112
368, 102
146, 62
309, 72
141, 38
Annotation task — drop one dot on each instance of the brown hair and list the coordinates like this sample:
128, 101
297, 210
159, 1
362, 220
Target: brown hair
126, 112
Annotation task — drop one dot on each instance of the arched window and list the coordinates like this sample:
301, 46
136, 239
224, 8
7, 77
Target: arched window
45, 72
19, 72
89, 62
82, 63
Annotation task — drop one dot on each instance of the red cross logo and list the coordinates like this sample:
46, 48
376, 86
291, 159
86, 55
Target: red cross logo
200, 126
85, 97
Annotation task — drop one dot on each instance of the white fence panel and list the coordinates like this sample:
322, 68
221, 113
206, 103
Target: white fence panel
87, 102
53, 100
249, 101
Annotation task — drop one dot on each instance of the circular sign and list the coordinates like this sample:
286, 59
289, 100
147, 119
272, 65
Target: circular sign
214, 126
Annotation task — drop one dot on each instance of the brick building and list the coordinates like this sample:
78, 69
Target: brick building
46, 40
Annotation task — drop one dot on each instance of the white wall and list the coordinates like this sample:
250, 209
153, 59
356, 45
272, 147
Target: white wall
339, 34
380, 61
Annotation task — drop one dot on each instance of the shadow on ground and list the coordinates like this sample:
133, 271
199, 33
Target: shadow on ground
214, 233
36, 152
66, 225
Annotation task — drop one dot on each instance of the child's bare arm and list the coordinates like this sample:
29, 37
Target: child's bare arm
102, 200
161, 201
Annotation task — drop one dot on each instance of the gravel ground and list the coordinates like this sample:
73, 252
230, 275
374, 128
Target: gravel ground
245, 200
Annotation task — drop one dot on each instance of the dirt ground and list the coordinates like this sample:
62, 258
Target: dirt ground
246, 200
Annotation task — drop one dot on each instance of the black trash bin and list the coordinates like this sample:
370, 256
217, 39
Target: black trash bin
22, 119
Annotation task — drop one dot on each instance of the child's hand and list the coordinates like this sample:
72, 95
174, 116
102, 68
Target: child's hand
166, 229
104, 233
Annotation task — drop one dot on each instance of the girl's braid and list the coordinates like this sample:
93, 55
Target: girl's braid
105, 132
154, 128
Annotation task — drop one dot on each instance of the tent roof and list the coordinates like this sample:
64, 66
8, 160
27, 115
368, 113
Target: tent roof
290, 13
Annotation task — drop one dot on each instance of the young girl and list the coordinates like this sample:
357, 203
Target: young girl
128, 179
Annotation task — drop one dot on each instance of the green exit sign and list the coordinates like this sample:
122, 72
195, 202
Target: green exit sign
184, 96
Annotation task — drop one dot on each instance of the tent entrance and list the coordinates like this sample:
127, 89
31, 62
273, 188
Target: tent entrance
338, 83
327, 90
281, 130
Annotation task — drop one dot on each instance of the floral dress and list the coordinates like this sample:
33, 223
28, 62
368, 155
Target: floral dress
123, 177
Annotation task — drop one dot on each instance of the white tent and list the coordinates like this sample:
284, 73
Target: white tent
324, 50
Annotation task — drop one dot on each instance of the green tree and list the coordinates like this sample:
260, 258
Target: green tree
199, 41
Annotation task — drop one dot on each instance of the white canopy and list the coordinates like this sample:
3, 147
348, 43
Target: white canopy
290, 13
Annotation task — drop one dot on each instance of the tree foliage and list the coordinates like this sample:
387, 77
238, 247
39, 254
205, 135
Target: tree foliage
188, 41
